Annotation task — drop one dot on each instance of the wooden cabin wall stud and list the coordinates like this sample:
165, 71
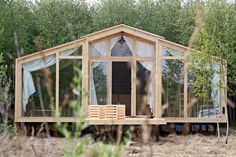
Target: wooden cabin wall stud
133, 79
57, 83
18, 89
158, 49
85, 75
109, 89
185, 88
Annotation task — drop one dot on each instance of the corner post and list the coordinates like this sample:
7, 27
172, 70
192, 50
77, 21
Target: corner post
85, 75
158, 88
18, 90
57, 83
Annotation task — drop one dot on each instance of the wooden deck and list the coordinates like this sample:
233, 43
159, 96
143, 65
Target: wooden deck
128, 121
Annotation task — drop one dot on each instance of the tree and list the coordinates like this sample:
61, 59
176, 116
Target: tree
218, 36
60, 21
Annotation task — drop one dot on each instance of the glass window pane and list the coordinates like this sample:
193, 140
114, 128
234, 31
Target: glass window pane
98, 83
99, 49
144, 49
204, 103
121, 47
42, 102
171, 52
69, 70
173, 88
77, 51
144, 88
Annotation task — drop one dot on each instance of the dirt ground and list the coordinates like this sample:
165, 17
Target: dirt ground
171, 146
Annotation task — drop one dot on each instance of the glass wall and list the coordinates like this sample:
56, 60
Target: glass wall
99, 48
171, 52
173, 88
145, 91
121, 48
69, 70
99, 83
39, 81
77, 51
206, 101
38, 92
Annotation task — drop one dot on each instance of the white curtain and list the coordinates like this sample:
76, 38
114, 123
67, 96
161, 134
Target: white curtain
150, 86
215, 93
98, 49
145, 50
129, 42
28, 68
114, 40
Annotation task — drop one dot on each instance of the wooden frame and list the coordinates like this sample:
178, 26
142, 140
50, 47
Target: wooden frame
157, 41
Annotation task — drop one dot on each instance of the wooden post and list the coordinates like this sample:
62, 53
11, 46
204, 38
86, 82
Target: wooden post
57, 83
85, 74
158, 88
18, 90
109, 87
133, 80
185, 89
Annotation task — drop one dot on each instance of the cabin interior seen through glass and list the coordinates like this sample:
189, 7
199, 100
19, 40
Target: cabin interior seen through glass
122, 70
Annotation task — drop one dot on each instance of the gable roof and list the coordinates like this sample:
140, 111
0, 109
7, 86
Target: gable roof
101, 34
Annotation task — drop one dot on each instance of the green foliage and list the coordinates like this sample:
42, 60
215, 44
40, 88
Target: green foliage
218, 35
16, 18
8, 128
200, 65
5, 83
162, 17
60, 21
100, 82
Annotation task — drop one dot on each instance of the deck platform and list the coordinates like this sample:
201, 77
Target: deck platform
126, 121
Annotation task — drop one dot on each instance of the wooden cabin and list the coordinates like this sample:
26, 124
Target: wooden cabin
130, 76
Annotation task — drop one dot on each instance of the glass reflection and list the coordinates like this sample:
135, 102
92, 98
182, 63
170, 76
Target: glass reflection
173, 87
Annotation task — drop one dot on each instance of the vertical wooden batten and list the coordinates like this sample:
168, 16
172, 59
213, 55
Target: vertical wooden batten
185, 88
109, 88
133, 79
158, 49
224, 90
85, 74
18, 90
57, 82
